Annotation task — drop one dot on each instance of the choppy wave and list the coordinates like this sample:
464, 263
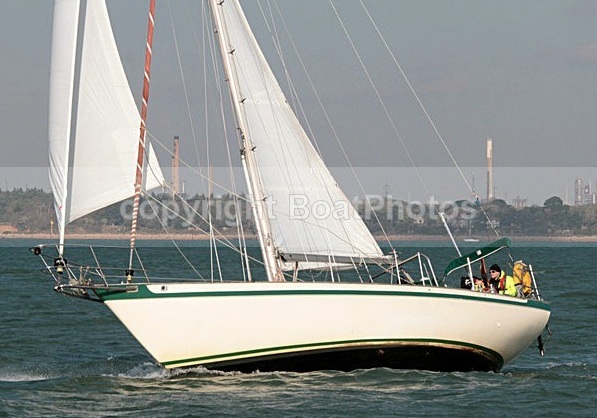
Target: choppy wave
60, 357
17, 376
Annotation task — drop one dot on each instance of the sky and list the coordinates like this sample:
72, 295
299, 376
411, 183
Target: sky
522, 73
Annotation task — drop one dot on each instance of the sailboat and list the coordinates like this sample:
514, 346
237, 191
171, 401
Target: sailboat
469, 235
394, 313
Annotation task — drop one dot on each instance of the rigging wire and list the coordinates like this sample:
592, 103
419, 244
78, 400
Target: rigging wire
328, 120
190, 264
195, 170
476, 198
242, 243
298, 105
213, 248
284, 161
379, 98
185, 89
222, 239
325, 113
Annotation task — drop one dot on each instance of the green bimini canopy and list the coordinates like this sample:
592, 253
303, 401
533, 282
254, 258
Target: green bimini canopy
477, 255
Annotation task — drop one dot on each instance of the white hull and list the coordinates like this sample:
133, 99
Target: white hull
231, 325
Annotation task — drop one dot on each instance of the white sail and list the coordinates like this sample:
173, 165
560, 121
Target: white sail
62, 74
106, 129
310, 215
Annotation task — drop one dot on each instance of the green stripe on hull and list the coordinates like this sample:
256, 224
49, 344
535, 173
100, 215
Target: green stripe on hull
335, 345
142, 292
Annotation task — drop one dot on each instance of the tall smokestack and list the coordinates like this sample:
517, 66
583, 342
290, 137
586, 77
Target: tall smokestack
489, 169
175, 167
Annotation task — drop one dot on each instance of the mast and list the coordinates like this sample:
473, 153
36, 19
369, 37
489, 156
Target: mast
142, 130
248, 160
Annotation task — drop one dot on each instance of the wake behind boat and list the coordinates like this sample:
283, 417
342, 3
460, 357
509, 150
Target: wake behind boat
373, 309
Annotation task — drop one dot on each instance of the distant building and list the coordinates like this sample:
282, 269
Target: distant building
493, 223
519, 202
584, 193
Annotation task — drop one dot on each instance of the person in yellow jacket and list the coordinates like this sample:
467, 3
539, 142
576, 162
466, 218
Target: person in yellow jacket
505, 283
522, 279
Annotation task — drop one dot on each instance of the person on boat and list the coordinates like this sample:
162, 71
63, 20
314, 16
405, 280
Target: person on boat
522, 279
502, 282
476, 284
479, 284
494, 277
484, 280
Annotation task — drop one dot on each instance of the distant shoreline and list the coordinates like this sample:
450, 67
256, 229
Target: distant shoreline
203, 237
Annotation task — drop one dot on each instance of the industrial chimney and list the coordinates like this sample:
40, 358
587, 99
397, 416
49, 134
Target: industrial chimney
490, 196
175, 167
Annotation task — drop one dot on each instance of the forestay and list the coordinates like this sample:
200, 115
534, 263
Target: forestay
309, 213
105, 133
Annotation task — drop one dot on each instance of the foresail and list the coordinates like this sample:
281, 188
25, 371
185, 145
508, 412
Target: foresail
309, 212
102, 169
62, 75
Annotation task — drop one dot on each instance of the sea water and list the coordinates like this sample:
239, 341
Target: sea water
65, 357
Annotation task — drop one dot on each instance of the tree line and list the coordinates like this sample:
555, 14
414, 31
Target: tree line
32, 211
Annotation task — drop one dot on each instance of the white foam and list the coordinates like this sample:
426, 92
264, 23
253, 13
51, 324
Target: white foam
22, 377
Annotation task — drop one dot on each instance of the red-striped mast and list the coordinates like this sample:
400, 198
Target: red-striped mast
142, 130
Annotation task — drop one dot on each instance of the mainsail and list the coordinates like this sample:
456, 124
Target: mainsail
99, 114
311, 218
